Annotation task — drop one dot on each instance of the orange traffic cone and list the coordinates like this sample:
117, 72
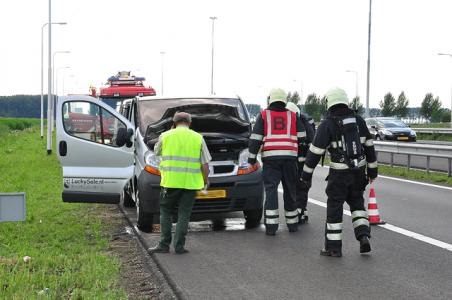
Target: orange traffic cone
372, 208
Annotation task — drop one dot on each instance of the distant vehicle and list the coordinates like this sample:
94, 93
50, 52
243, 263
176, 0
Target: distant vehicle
100, 166
391, 129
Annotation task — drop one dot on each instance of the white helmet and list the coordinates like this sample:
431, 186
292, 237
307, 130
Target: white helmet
277, 95
293, 107
336, 96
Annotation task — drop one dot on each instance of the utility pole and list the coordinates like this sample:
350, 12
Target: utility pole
368, 60
49, 100
161, 66
211, 77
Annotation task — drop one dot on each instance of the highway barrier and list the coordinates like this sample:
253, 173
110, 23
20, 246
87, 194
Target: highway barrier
433, 130
415, 149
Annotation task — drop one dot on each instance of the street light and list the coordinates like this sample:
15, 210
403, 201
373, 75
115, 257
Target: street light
56, 79
53, 88
450, 55
49, 83
356, 79
211, 77
42, 74
162, 53
368, 60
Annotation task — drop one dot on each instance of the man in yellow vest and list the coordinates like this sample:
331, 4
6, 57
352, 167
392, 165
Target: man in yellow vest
184, 170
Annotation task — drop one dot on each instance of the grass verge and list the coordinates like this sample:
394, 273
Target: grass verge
433, 177
434, 137
66, 242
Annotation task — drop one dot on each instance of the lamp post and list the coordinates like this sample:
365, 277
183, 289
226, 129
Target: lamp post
211, 76
356, 80
368, 60
450, 55
162, 53
53, 87
56, 79
49, 84
42, 74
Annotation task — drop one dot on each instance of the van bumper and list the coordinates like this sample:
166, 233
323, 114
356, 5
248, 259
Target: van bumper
244, 192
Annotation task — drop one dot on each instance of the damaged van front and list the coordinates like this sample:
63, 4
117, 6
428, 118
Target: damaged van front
225, 125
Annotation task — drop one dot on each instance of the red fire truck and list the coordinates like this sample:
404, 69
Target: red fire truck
88, 123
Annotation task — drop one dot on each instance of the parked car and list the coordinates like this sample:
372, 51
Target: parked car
391, 129
104, 169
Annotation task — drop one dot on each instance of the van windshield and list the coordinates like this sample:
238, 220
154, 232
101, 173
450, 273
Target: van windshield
152, 111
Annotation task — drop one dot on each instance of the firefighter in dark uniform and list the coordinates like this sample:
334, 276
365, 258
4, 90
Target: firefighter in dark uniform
346, 137
279, 132
303, 190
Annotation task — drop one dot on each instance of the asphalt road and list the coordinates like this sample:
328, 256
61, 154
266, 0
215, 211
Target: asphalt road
239, 263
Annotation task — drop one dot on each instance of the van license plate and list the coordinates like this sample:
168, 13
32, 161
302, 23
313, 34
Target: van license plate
211, 194
402, 138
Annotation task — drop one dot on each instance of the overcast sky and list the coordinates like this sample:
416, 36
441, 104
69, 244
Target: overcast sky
298, 45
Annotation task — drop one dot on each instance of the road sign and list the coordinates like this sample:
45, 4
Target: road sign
12, 207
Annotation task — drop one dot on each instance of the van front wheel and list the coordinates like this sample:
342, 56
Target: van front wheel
253, 217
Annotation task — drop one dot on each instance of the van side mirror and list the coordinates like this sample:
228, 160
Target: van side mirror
123, 137
129, 142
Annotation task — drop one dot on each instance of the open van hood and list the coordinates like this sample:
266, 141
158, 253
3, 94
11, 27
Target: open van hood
206, 118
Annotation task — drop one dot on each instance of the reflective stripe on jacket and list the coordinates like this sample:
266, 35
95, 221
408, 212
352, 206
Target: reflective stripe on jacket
180, 166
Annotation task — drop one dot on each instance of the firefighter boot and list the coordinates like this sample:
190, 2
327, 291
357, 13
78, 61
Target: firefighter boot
364, 244
332, 253
303, 217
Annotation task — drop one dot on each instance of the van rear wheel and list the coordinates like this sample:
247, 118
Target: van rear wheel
253, 217
128, 200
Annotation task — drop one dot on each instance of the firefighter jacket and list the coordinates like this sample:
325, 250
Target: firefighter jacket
309, 126
327, 137
279, 132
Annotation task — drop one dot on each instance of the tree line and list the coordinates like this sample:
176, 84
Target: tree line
316, 107
22, 106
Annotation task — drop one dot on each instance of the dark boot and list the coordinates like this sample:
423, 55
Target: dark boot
332, 253
158, 249
270, 231
364, 244
303, 217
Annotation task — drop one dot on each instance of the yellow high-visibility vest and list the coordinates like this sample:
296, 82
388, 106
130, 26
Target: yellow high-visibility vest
180, 166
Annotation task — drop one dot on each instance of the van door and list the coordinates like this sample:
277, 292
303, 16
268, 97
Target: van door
95, 149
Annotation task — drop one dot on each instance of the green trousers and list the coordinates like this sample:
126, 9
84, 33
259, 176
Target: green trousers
170, 199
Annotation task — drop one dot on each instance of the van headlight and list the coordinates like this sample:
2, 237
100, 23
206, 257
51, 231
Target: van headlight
244, 166
152, 163
413, 133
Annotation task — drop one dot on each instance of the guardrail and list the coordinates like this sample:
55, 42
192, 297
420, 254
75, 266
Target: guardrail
413, 149
433, 130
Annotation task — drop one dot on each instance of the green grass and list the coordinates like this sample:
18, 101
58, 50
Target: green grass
434, 137
8, 124
66, 242
431, 125
433, 177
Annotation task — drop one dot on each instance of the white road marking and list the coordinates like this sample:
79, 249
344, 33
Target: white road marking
393, 228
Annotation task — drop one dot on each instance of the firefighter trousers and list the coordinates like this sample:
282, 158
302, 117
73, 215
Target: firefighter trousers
302, 192
274, 172
345, 186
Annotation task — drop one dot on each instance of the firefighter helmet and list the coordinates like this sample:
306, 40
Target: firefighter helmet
336, 96
293, 107
277, 95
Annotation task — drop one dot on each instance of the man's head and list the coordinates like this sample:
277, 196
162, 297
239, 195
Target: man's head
293, 107
336, 96
182, 118
277, 95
